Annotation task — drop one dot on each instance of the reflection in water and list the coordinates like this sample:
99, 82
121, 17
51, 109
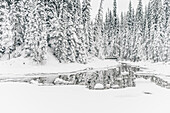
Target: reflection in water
120, 77
157, 80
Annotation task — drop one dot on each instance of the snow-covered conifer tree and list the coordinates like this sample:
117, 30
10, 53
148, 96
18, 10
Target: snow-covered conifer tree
129, 35
17, 18
116, 40
109, 34
166, 18
166, 12
35, 35
6, 41
81, 37
99, 40
86, 8
122, 35
167, 44
148, 41
138, 33
156, 29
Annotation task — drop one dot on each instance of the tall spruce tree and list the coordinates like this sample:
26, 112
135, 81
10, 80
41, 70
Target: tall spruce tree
6, 36
99, 32
35, 35
109, 34
121, 35
167, 34
82, 44
156, 15
17, 18
166, 18
138, 33
129, 35
86, 8
166, 13
116, 40
148, 42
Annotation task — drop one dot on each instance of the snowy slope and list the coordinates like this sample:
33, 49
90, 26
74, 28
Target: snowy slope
24, 66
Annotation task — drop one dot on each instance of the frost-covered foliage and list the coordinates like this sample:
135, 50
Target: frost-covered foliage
137, 50
29, 27
6, 35
144, 35
35, 33
112, 39
98, 32
86, 7
66, 37
17, 14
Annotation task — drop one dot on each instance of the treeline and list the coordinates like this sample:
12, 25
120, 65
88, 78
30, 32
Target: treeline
139, 34
29, 27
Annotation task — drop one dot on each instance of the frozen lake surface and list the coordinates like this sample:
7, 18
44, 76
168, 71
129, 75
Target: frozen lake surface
146, 97
132, 90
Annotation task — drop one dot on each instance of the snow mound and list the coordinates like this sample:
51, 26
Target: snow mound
99, 86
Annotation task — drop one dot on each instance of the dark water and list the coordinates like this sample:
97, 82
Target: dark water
121, 76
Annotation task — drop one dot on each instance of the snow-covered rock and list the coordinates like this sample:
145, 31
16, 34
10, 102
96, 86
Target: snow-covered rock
99, 86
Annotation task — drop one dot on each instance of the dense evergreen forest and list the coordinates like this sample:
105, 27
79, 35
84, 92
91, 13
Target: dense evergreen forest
32, 28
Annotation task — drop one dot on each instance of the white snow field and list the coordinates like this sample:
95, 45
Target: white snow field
146, 97
157, 68
20, 66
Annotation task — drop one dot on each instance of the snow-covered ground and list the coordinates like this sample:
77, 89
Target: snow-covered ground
157, 68
146, 97
20, 66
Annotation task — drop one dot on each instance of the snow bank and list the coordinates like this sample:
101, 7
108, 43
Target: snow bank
159, 68
99, 86
22, 65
